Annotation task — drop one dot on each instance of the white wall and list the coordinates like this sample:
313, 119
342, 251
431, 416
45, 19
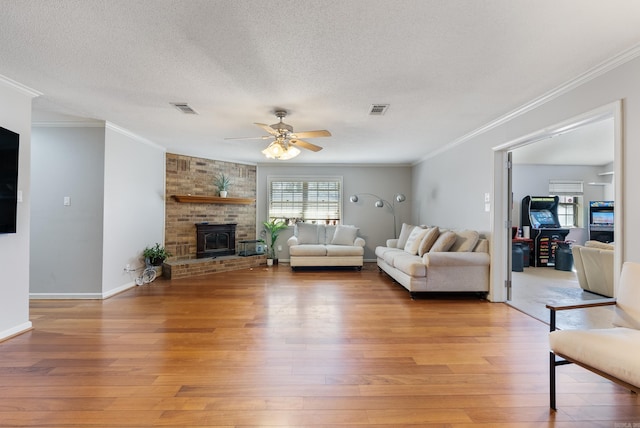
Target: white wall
376, 224
133, 205
15, 115
66, 241
454, 181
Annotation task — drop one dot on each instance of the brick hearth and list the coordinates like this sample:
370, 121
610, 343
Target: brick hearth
192, 267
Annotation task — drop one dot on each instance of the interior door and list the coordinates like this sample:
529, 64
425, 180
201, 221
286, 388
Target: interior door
508, 226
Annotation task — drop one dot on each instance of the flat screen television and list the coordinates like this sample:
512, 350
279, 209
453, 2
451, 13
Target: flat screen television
542, 219
602, 218
9, 144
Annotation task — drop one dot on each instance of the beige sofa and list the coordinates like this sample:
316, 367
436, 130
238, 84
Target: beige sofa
432, 260
594, 267
323, 245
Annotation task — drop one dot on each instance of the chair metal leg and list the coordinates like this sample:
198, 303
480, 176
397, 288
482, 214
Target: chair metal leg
552, 380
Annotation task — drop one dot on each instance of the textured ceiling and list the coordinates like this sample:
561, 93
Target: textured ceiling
446, 67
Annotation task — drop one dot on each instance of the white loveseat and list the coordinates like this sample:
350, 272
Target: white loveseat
426, 259
325, 245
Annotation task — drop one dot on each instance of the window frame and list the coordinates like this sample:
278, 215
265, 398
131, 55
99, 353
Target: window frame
575, 208
306, 179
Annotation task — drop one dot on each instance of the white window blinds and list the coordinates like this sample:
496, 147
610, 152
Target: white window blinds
312, 200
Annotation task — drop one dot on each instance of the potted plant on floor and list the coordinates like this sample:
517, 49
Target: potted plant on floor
222, 182
273, 227
155, 256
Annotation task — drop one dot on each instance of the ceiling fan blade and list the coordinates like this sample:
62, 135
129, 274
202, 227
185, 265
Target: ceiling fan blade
267, 128
264, 137
306, 145
313, 134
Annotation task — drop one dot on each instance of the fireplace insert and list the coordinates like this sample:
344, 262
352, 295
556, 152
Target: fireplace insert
215, 240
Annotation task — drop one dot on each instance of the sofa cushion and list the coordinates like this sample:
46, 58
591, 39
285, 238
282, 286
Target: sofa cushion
413, 242
444, 242
429, 239
308, 250
404, 235
390, 256
380, 251
306, 233
411, 265
611, 350
627, 309
599, 245
344, 250
466, 241
344, 235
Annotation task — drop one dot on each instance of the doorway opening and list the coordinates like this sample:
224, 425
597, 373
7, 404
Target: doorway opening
527, 165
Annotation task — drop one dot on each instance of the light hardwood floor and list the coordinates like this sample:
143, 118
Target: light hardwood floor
268, 347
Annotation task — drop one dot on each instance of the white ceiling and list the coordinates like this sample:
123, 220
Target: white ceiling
446, 67
591, 144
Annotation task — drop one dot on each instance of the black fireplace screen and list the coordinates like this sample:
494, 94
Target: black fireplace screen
214, 240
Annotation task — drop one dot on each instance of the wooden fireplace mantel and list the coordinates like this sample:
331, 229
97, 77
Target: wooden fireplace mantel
193, 199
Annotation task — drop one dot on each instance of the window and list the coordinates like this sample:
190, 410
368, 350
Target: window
310, 199
568, 211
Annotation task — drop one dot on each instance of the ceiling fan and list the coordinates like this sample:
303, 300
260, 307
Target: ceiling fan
286, 142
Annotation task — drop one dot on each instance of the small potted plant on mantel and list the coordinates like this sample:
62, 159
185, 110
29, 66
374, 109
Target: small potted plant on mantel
155, 256
222, 182
274, 227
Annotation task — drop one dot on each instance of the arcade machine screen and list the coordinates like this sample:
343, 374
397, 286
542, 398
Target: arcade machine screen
602, 218
542, 219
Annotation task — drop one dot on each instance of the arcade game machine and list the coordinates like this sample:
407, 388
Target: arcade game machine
540, 213
601, 221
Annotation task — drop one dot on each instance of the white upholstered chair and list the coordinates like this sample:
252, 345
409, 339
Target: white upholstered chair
610, 352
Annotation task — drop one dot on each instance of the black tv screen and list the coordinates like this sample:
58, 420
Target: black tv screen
9, 143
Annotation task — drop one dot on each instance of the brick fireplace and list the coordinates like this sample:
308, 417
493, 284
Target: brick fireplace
188, 175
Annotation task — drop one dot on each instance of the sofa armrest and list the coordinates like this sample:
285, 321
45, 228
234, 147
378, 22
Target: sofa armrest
456, 259
359, 242
392, 243
292, 241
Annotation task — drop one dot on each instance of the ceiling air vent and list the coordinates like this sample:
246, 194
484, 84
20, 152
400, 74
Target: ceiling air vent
378, 109
184, 108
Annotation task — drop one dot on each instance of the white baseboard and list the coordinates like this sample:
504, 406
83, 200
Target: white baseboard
16, 330
80, 296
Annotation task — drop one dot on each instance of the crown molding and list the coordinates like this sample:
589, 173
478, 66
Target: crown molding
133, 136
19, 87
598, 70
68, 124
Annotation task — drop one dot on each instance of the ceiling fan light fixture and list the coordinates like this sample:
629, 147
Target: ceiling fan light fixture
280, 151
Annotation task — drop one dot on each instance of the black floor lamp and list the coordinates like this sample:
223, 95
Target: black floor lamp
398, 198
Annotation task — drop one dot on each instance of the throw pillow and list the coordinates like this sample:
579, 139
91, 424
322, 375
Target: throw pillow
444, 242
428, 240
413, 242
344, 235
466, 241
327, 236
404, 234
306, 233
